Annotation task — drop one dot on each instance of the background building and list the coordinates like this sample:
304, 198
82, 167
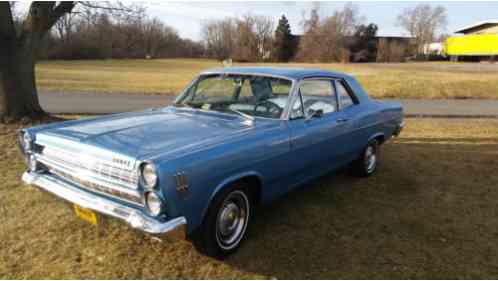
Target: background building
478, 41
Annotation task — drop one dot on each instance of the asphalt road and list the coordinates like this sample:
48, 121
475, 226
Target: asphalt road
95, 103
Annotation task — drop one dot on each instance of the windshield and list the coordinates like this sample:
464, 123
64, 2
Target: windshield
244, 95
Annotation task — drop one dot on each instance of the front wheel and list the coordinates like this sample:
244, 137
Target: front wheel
367, 162
225, 224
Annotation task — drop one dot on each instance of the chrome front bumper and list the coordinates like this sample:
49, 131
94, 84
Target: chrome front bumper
175, 228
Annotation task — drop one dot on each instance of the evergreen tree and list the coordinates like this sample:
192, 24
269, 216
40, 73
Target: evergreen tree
364, 45
283, 47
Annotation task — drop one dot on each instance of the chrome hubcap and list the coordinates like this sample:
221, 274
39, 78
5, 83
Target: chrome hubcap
370, 159
232, 220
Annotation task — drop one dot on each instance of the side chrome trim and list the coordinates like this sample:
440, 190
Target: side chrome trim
175, 228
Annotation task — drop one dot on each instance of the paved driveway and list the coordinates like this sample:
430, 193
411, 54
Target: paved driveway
450, 108
94, 103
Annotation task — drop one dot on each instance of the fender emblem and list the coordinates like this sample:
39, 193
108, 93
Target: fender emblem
181, 182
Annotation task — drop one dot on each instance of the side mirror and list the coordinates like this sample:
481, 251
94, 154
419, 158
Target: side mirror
314, 114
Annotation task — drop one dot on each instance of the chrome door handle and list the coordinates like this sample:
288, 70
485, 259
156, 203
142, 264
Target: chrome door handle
342, 120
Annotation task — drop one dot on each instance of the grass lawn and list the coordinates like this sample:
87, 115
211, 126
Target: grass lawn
433, 80
430, 212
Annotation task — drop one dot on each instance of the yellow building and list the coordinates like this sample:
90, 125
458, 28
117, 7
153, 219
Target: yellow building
477, 40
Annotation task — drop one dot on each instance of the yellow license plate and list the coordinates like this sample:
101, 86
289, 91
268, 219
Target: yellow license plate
85, 214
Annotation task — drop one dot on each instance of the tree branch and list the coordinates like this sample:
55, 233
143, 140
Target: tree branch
118, 8
63, 8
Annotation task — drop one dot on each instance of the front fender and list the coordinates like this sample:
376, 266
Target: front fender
226, 183
375, 136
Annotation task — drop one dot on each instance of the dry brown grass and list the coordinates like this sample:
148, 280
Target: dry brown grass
406, 80
429, 212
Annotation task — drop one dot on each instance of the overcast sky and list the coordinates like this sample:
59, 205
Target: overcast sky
187, 17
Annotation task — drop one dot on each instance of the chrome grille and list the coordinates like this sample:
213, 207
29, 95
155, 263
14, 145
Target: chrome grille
128, 177
95, 187
92, 174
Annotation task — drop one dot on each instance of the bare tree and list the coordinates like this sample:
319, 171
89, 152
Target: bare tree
153, 33
346, 20
248, 38
161, 40
423, 22
332, 40
219, 37
18, 55
246, 43
95, 33
264, 27
324, 39
310, 48
64, 27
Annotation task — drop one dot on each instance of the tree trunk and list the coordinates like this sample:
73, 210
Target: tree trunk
18, 95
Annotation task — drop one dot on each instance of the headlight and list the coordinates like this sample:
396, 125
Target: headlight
153, 203
149, 175
26, 141
32, 163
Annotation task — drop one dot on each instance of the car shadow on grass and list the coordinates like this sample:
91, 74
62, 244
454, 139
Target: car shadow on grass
429, 212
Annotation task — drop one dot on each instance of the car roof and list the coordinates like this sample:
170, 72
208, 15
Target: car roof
285, 72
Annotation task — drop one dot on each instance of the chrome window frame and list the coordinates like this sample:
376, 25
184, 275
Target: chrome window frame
185, 90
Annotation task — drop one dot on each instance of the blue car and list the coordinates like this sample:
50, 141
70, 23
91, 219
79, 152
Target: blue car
235, 138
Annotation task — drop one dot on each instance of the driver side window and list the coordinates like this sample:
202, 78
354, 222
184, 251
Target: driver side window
318, 95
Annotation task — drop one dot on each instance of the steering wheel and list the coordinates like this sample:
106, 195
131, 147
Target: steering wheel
309, 103
272, 109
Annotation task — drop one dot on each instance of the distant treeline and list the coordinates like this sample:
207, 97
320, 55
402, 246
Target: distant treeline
101, 34
339, 37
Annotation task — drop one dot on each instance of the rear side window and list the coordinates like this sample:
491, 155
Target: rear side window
345, 98
316, 88
318, 95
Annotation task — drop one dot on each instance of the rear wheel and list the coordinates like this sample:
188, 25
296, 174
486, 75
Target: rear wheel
367, 162
225, 224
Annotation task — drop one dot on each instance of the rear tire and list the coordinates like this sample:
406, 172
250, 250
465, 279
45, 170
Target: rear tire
367, 162
224, 227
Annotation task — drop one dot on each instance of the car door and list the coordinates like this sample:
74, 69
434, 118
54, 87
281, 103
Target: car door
355, 134
316, 137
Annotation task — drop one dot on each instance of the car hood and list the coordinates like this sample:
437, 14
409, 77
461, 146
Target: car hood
142, 135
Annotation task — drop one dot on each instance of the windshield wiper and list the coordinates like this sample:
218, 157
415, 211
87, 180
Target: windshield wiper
244, 115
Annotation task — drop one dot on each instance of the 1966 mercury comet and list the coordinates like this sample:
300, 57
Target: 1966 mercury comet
233, 139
